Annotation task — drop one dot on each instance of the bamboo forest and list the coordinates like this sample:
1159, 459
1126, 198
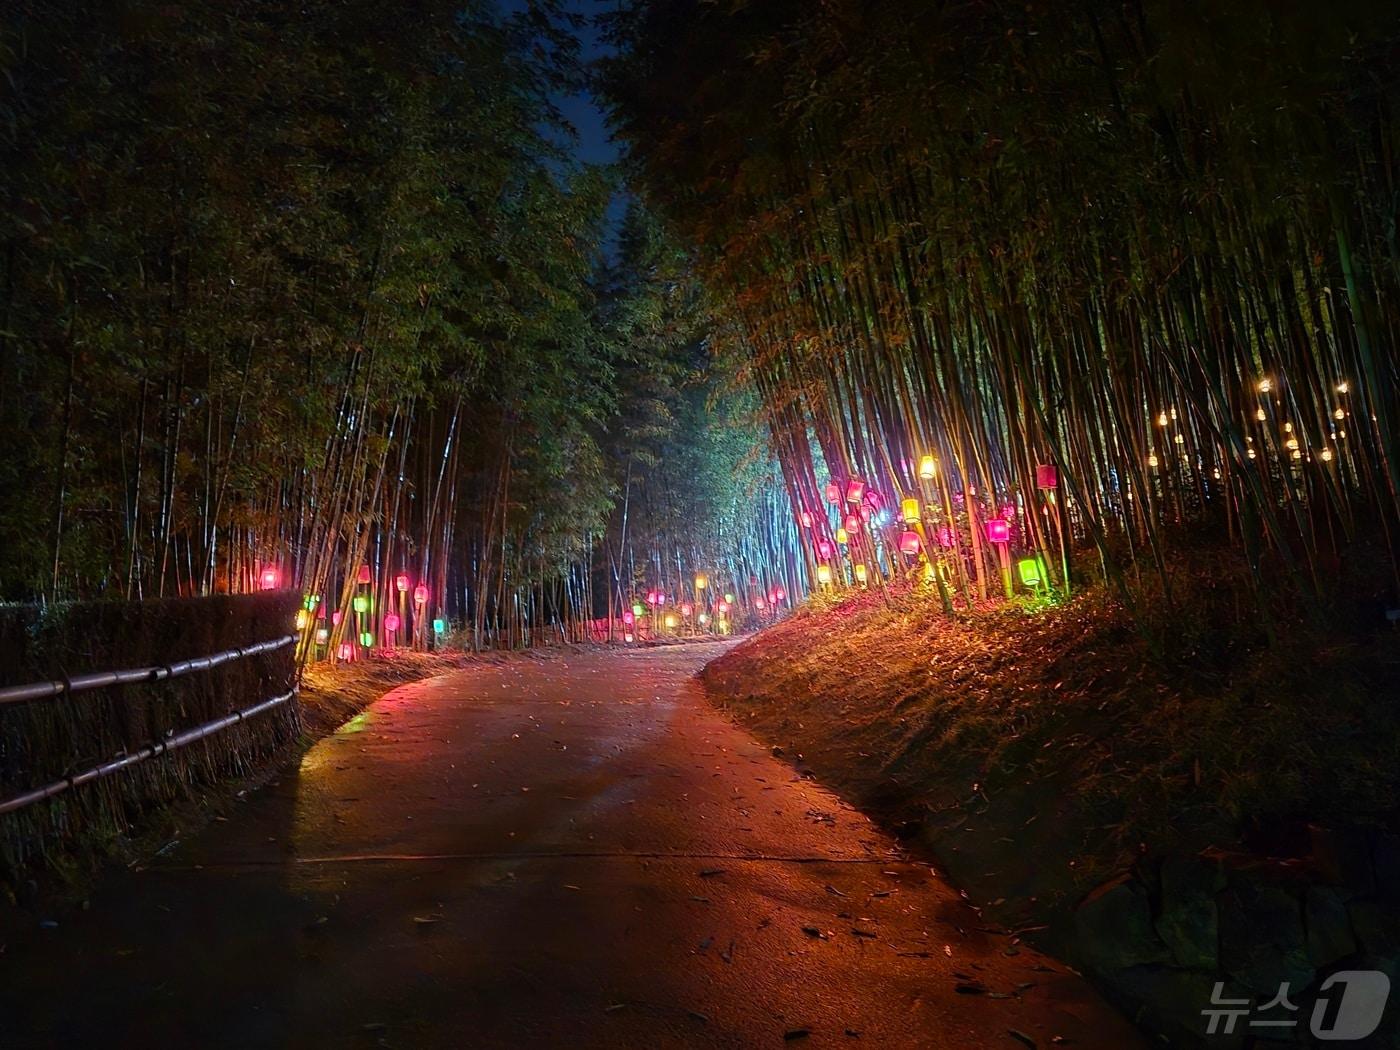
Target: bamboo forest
700, 523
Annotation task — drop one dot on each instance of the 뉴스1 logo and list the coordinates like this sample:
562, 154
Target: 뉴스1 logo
1349, 1006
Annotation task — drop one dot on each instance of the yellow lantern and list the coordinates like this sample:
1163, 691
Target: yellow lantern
928, 466
824, 574
303, 618
700, 582
910, 510
841, 537
671, 620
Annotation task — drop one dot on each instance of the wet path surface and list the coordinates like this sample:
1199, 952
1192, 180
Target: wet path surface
573, 852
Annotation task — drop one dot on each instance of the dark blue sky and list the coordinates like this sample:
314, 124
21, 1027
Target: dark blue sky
593, 145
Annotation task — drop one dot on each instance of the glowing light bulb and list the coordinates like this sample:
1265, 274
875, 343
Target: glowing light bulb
1152, 460
1162, 420
1339, 414
1265, 385
1261, 415
1327, 455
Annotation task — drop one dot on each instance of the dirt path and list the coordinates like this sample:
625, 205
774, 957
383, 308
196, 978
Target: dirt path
578, 852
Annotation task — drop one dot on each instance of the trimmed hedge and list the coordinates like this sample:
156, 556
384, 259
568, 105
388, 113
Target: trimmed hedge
45, 740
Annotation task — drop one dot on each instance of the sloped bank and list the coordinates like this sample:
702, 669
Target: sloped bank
1165, 826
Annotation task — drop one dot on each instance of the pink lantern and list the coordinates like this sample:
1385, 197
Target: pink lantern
773, 597
852, 523
420, 595
998, 531
364, 576
782, 595
758, 603
909, 542
874, 500
806, 518
401, 582
824, 549
336, 617
391, 622
865, 512
855, 490
1047, 476
346, 651
687, 609
833, 492
267, 581
627, 616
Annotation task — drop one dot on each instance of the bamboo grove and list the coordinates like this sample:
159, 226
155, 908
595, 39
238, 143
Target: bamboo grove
1150, 244
314, 295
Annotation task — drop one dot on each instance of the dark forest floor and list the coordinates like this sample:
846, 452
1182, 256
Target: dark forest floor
1036, 750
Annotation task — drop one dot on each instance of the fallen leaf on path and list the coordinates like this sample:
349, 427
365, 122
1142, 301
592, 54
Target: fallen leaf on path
1021, 1037
708, 873
427, 920
796, 1033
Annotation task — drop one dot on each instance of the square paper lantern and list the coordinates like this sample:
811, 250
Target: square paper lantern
998, 531
345, 651
700, 582
401, 582
336, 617
627, 638
628, 616
322, 636
806, 518
420, 595
861, 574
782, 595
391, 622
758, 603
1047, 476
824, 574
367, 639
637, 609
855, 490
687, 609
909, 510
364, 574
824, 549
852, 524
360, 604
303, 618
439, 626
927, 468
833, 492
671, 620
842, 537
873, 499
267, 580
1029, 570
909, 542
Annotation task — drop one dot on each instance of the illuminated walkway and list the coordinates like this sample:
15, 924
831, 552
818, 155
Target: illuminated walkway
572, 852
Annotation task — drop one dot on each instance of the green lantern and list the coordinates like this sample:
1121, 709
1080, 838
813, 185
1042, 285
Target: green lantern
367, 639
1029, 570
439, 626
360, 604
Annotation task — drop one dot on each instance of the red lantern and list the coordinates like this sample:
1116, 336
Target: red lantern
909, 542
627, 616
401, 582
420, 595
782, 595
391, 622
806, 518
865, 512
998, 531
1047, 476
336, 617
852, 523
874, 500
364, 576
855, 490
346, 651
824, 549
833, 492
267, 581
